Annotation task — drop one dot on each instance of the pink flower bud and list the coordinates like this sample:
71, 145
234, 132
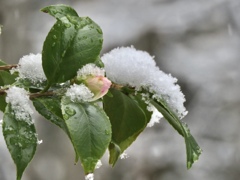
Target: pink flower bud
98, 85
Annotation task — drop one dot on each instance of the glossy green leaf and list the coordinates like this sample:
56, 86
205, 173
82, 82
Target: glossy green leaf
21, 140
50, 108
3, 103
71, 43
138, 99
59, 10
89, 129
99, 62
6, 78
128, 121
192, 148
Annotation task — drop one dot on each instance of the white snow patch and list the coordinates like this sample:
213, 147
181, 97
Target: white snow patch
124, 155
89, 177
39, 141
30, 67
99, 164
156, 116
79, 93
90, 69
131, 67
19, 100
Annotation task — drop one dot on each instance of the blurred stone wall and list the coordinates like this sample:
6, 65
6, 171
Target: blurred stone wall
196, 41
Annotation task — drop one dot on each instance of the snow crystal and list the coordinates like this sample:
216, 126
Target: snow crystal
19, 100
124, 155
156, 116
30, 67
99, 164
79, 93
89, 176
39, 141
90, 69
128, 66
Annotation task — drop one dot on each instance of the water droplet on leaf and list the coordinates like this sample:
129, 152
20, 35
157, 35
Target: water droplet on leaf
68, 25
65, 116
70, 111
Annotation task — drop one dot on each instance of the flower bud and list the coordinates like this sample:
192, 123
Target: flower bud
98, 85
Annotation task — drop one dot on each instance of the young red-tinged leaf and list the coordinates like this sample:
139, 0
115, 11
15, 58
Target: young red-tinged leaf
89, 129
128, 121
21, 139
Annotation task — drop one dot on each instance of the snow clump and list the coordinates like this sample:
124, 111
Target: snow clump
30, 67
90, 69
20, 103
130, 67
79, 93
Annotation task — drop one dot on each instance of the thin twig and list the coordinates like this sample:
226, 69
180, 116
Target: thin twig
8, 67
2, 92
32, 95
40, 94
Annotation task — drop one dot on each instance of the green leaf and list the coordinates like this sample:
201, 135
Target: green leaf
128, 121
99, 62
6, 78
21, 140
59, 11
50, 108
71, 43
3, 103
90, 131
2, 63
192, 148
138, 99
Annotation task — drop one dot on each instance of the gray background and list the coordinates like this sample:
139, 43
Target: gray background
196, 41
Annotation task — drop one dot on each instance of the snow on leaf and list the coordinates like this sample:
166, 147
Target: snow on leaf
19, 100
131, 67
79, 93
90, 69
30, 67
